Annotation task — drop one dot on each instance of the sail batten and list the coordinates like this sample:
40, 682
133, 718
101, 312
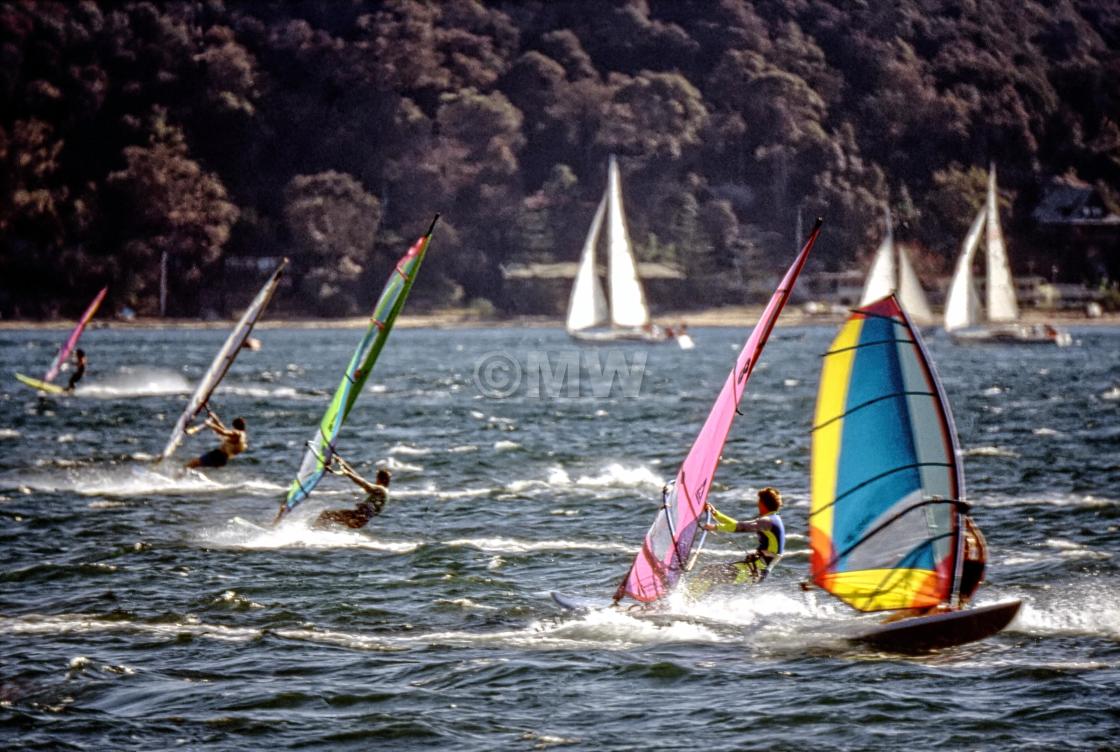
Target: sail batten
668, 547
885, 469
75, 334
222, 362
322, 446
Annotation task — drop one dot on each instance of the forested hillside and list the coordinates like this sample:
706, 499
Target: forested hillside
333, 131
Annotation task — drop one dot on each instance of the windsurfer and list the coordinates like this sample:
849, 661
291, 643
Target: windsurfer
975, 560
758, 563
79, 369
377, 495
972, 574
234, 441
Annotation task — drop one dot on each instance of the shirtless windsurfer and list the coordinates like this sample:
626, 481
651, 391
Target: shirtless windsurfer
377, 495
234, 441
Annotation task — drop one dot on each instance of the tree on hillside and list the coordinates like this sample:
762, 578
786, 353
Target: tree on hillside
333, 222
163, 201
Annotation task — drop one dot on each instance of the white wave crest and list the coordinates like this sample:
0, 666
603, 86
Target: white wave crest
296, 533
617, 475
138, 382
517, 546
989, 451
409, 450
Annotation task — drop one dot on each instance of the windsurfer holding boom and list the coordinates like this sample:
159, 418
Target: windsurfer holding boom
79, 369
377, 496
758, 563
234, 441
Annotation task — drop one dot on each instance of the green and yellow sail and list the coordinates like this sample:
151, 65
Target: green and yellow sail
321, 447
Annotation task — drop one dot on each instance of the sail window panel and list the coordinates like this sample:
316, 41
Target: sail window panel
898, 537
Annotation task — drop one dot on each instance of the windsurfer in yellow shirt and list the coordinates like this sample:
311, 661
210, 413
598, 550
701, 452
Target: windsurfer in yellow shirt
758, 563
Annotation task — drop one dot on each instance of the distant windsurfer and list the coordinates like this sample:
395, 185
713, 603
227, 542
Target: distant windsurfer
235, 440
758, 563
377, 495
79, 369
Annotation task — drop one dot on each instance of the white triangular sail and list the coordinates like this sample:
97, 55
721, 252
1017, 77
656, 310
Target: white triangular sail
223, 360
1002, 303
881, 279
910, 292
962, 305
628, 302
587, 306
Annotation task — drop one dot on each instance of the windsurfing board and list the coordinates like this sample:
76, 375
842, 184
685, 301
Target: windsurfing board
920, 634
42, 386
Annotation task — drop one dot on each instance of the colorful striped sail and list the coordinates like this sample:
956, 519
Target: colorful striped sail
72, 341
321, 447
223, 360
884, 527
675, 537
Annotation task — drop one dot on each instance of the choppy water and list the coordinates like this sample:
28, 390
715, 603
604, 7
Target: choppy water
145, 608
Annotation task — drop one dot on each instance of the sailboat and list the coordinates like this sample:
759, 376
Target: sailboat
220, 365
323, 445
963, 316
627, 312
676, 537
891, 271
64, 351
887, 509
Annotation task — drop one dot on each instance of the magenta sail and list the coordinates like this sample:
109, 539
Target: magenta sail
72, 340
667, 549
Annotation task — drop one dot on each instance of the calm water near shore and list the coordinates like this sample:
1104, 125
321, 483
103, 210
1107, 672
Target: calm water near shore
146, 607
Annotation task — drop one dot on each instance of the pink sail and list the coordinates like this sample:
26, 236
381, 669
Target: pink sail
72, 340
668, 545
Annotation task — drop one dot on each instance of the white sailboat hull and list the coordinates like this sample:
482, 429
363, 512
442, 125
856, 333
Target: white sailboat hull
1013, 334
656, 335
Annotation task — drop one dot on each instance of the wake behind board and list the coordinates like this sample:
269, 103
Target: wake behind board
923, 633
583, 604
42, 386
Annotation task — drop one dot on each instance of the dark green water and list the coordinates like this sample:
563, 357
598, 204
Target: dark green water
143, 608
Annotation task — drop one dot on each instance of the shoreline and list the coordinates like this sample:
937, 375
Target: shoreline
728, 316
